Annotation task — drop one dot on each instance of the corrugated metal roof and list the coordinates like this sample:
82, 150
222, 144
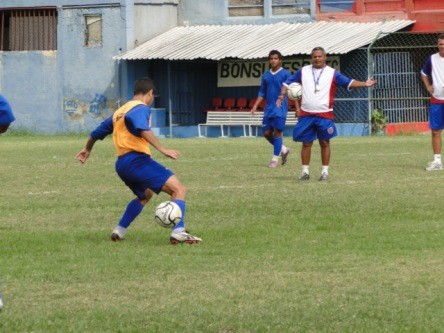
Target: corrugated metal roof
255, 41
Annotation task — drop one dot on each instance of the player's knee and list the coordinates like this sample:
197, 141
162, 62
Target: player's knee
182, 189
324, 143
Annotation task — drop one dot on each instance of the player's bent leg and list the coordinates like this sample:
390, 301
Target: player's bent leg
268, 134
133, 209
177, 190
277, 147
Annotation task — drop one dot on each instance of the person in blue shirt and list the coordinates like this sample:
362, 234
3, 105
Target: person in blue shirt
6, 115
132, 137
273, 122
316, 116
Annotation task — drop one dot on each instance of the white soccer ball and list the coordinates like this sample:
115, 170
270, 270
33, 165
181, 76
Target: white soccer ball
168, 214
294, 91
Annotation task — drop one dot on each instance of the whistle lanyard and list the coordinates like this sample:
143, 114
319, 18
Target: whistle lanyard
316, 80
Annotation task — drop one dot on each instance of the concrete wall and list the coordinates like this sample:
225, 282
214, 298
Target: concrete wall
29, 81
152, 20
209, 12
89, 74
75, 87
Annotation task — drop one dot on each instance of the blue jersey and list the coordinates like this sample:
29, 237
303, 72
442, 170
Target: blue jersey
271, 85
6, 115
136, 120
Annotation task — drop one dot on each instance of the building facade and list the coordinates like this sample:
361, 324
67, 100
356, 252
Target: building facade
56, 59
58, 65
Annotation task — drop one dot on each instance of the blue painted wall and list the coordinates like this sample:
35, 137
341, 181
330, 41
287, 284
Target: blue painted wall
198, 12
74, 88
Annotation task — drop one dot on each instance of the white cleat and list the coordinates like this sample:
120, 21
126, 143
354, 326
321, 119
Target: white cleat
433, 166
183, 237
117, 235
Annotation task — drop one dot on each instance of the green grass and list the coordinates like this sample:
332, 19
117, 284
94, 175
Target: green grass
363, 252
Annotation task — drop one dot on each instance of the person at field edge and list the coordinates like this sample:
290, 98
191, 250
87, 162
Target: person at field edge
6, 115
319, 82
273, 121
432, 75
132, 136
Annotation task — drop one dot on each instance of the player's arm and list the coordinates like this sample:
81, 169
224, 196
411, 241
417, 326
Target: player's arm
362, 84
297, 107
344, 81
427, 83
137, 123
101, 131
260, 96
256, 104
151, 138
282, 94
426, 74
296, 77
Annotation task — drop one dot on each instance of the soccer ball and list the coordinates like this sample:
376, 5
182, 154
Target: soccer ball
168, 214
294, 91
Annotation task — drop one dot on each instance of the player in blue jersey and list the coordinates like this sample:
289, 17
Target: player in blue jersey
319, 83
432, 75
132, 136
273, 122
6, 115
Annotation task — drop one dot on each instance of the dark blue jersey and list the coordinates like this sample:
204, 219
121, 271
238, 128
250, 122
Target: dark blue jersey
6, 115
136, 120
271, 85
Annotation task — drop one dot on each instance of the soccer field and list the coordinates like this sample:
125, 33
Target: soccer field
363, 252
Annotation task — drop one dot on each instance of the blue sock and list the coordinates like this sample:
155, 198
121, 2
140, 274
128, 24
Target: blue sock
277, 146
181, 205
132, 211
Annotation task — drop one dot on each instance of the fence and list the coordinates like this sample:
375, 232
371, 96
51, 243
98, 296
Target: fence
395, 61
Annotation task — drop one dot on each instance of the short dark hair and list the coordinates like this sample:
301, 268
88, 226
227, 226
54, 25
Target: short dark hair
273, 52
143, 85
318, 48
441, 36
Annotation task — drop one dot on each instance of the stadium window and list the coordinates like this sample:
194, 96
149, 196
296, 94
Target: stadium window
31, 29
290, 7
334, 6
93, 30
246, 8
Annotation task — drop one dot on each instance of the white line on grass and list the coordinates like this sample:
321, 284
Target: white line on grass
378, 154
44, 192
314, 183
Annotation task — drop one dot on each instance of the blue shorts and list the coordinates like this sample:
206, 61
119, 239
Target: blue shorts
310, 128
140, 172
436, 116
269, 123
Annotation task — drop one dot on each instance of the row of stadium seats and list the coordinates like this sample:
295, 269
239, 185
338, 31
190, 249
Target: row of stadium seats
231, 104
240, 104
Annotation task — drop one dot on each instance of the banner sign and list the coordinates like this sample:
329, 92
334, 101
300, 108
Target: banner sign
248, 73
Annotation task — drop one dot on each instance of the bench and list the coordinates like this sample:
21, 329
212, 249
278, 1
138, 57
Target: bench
237, 118
291, 121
